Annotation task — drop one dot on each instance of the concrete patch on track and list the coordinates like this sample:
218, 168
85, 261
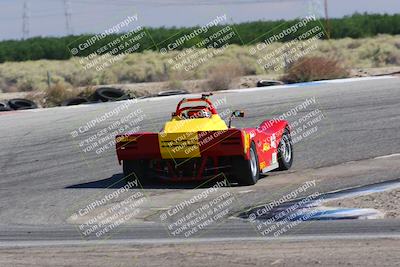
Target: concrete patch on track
325, 206
358, 202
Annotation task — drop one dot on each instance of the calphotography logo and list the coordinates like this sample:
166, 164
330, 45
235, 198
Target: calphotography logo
102, 217
103, 50
287, 212
202, 210
200, 45
300, 40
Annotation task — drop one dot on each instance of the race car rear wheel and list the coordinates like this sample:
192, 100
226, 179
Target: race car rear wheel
285, 151
247, 172
135, 169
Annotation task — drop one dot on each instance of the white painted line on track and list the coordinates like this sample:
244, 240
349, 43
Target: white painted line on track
388, 156
346, 80
41, 243
245, 191
298, 85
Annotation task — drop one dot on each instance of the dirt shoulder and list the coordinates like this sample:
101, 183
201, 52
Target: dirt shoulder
387, 202
197, 86
368, 252
152, 88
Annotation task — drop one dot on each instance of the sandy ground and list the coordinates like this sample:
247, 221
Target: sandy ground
387, 202
368, 252
151, 88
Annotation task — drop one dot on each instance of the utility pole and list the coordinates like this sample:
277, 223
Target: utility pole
68, 14
328, 26
25, 21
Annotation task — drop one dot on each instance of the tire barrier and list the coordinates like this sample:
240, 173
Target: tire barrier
173, 92
263, 83
4, 107
75, 101
106, 94
21, 103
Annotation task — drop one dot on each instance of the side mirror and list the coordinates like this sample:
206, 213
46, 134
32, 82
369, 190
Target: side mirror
235, 114
238, 113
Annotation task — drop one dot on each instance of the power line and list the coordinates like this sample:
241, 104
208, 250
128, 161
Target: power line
25, 21
328, 26
68, 14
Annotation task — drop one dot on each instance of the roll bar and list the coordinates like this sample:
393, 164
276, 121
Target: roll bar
203, 98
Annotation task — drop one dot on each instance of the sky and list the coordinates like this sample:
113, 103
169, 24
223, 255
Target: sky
47, 17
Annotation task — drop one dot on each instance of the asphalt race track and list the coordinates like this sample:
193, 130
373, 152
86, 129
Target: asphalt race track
46, 175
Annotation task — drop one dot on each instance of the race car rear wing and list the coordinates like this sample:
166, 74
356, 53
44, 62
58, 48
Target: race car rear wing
230, 142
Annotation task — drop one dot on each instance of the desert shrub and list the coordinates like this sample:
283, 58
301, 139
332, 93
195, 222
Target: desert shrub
381, 54
108, 77
56, 94
391, 58
313, 69
379, 51
175, 84
87, 92
354, 45
222, 75
80, 78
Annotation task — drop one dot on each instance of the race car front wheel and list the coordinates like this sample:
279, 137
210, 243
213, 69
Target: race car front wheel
247, 172
135, 170
285, 151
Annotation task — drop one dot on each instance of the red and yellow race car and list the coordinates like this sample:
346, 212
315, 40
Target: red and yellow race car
197, 144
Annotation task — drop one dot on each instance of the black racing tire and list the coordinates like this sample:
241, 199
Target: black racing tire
173, 92
75, 101
136, 169
285, 151
247, 172
4, 107
105, 94
264, 83
21, 103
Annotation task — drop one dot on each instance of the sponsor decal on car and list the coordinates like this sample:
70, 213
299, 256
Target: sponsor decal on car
266, 147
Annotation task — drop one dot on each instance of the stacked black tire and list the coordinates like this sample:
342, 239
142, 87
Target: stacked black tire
264, 83
75, 101
4, 107
105, 94
102, 94
17, 104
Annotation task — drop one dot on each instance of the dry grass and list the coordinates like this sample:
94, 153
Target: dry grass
150, 66
222, 76
314, 68
56, 94
87, 92
175, 85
